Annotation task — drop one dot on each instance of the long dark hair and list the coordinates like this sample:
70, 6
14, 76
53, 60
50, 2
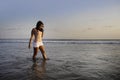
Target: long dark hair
39, 23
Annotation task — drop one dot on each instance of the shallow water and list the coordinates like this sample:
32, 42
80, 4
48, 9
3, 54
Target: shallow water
67, 62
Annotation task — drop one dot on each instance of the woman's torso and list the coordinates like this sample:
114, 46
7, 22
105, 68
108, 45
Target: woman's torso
37, 35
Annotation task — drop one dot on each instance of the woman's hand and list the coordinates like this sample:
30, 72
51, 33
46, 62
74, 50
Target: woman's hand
29, 46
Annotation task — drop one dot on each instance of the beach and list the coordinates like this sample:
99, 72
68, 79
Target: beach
69, 60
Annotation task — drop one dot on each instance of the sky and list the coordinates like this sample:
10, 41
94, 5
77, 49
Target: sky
63, 19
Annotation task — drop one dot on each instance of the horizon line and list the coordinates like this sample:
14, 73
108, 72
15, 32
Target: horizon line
57, 39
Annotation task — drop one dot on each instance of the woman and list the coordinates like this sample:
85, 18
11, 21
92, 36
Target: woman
37, 33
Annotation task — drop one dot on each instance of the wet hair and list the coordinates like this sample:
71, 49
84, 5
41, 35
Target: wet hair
39, 23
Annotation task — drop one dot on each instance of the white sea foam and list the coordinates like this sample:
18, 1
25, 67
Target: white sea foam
63, 41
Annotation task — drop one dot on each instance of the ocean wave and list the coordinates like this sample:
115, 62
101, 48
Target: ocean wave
65, 41
84, 42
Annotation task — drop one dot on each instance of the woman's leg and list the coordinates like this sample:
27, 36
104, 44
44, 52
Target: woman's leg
35, 52
42, 49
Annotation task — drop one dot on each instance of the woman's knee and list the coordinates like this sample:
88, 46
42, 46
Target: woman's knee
43, 51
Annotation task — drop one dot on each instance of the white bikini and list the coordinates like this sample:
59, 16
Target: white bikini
37, 44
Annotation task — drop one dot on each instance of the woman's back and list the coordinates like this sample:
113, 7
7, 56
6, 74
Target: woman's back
37, 35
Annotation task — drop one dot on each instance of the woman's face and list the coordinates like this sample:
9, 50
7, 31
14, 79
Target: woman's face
41, 27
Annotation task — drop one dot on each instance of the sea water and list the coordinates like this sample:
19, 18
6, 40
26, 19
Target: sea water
69, 60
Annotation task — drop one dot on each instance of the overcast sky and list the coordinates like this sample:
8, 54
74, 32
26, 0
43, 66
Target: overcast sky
63, 19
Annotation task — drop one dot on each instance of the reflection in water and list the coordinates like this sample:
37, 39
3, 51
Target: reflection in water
38, 69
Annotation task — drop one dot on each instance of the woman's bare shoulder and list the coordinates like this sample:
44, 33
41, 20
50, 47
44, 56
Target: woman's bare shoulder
33, 29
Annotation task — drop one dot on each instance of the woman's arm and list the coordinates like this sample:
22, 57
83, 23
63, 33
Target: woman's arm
42, 30
42, 34
30, 40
